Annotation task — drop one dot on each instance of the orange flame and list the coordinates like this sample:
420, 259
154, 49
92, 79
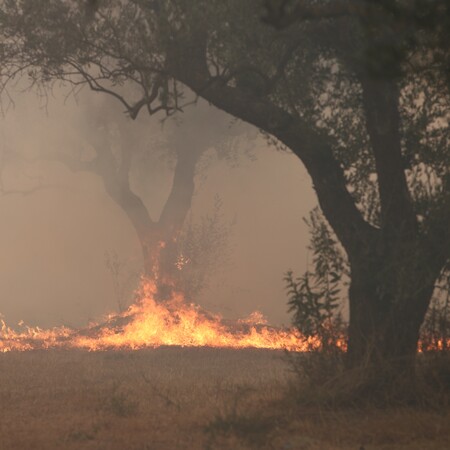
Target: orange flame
148, 323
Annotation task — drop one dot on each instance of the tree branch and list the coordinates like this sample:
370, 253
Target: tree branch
311, 147
380, 100
179, 200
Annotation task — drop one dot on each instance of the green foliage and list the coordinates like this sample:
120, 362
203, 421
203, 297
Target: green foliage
316, 296
313, 303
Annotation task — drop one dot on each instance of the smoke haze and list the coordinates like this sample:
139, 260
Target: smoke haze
57, 226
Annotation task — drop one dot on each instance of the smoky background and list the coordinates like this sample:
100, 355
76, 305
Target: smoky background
61, 232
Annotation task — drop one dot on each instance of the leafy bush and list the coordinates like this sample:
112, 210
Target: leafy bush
315, 297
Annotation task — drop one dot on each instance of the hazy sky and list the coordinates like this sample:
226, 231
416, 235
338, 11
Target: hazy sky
53, 240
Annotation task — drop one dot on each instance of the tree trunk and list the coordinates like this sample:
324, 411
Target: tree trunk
159, 240
389, 295
159, 251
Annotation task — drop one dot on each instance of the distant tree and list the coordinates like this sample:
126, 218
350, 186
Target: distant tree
174, 248
166, 250
359, 93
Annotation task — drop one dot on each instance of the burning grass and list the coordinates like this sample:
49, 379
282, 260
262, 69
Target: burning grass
148, 323
186, 398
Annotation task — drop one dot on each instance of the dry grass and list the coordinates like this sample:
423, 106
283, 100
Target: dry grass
173, 398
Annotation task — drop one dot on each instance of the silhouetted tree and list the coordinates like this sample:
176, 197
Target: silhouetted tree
166, 252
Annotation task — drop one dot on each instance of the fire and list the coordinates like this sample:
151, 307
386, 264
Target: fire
148, 323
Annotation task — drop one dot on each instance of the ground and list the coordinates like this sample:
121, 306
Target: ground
186, 398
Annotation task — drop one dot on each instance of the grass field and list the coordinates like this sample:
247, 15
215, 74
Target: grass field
186, 398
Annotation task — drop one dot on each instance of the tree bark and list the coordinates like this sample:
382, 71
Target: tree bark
390, 288
389, 295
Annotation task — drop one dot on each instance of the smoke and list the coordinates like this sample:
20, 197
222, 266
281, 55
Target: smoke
57, 225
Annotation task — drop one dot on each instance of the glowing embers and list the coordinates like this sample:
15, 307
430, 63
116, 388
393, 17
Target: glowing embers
148, 323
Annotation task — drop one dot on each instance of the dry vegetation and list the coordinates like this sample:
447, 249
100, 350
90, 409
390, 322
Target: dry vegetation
178, 398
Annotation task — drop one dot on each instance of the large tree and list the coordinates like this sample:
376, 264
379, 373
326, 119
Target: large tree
356, 89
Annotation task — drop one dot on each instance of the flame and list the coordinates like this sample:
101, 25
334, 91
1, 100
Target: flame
148, 323
181, 261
